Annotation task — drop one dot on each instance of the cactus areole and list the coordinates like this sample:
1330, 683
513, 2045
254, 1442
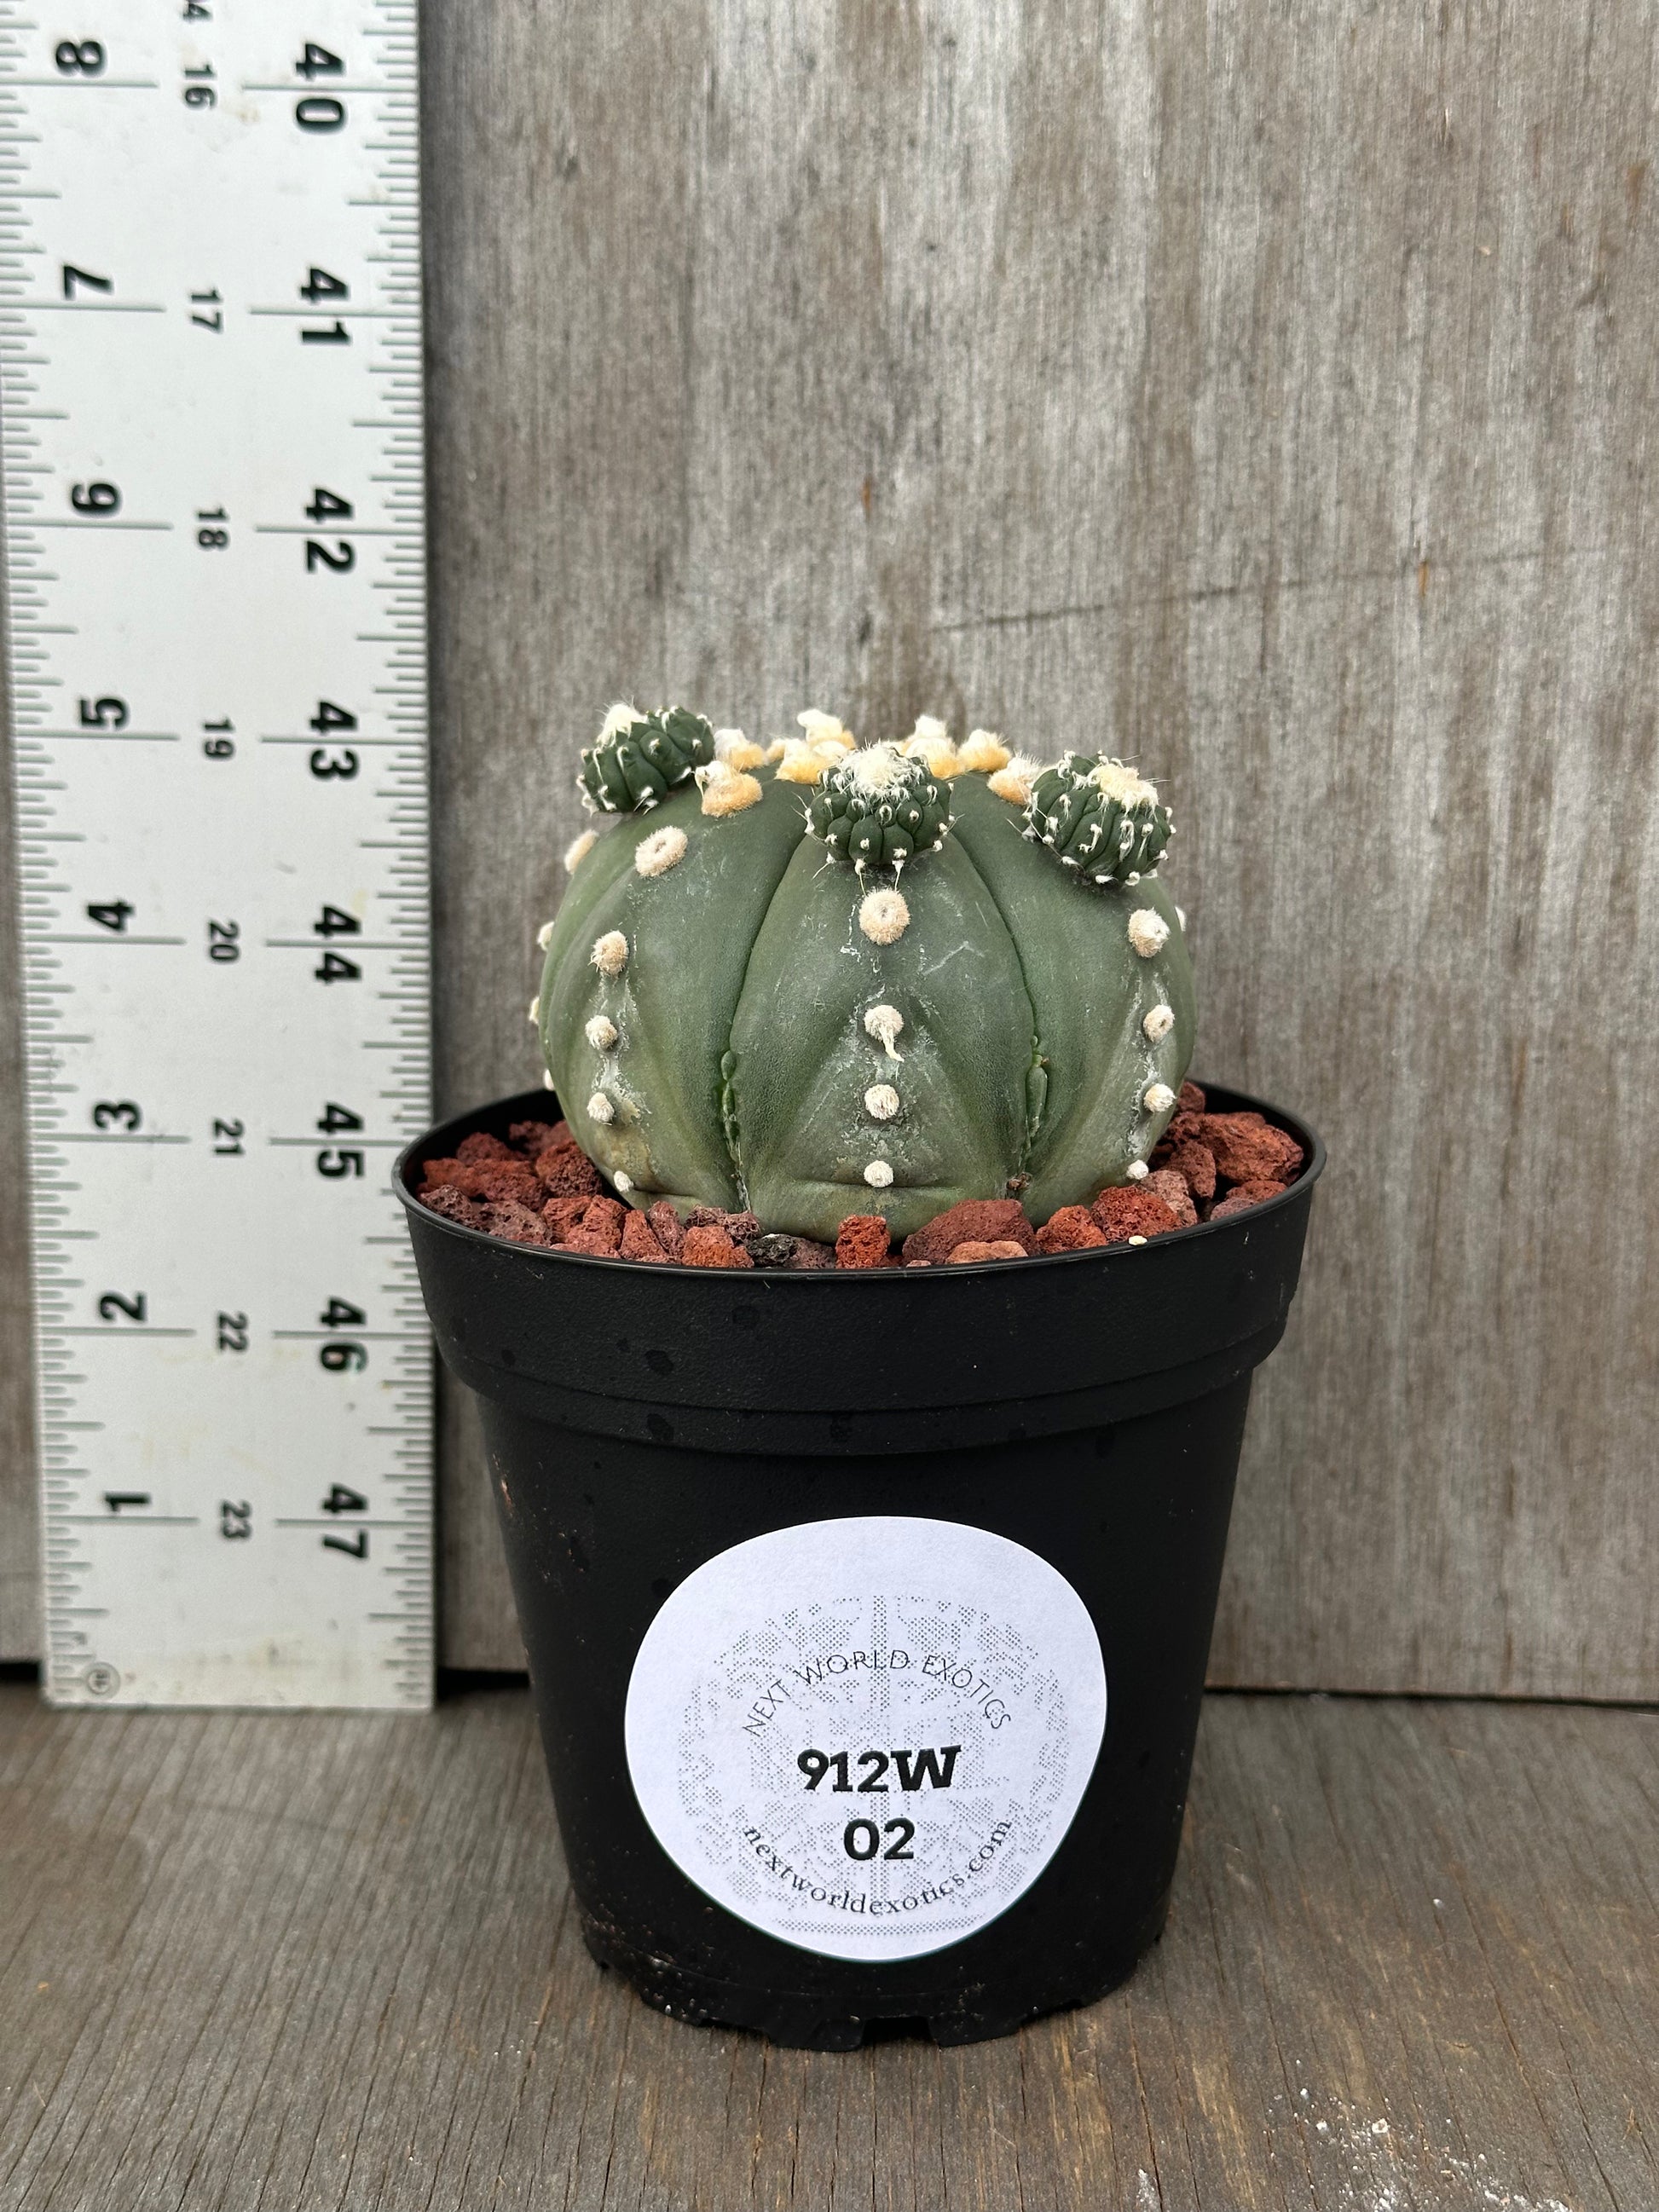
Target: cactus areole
927, 976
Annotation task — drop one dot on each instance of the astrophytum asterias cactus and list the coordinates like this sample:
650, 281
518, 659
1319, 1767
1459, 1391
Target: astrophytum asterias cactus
820, 979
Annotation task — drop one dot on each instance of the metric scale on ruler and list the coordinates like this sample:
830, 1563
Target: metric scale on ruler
210, 388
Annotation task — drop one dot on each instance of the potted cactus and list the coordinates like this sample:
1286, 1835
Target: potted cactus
867, 1576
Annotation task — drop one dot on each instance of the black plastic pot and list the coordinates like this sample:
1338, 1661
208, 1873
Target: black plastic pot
985, 1490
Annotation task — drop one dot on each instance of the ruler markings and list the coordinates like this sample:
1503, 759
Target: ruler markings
263, 1349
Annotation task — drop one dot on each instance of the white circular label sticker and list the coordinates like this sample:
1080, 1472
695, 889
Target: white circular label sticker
866, 1736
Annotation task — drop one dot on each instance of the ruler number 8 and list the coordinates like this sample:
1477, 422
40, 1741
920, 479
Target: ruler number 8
79, 57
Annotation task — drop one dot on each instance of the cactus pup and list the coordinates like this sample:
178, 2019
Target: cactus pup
831, 979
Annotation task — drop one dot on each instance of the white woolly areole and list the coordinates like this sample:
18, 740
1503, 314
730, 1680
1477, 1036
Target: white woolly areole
884, 917
1158, 1098
726, 790
799, 762
575, 853
662, 850
622, 716
735, 750
884, 1023
601, 1033
931, 730
599, 1107
547, 1079
937, 755
824, 729
544, 935
881, 1101
1137, 1171
1158, 1024
622, 1182
982, 752
1148, 931
535, 1014
878, 1174
1014, 780
1123, 785
874, 770
609, 954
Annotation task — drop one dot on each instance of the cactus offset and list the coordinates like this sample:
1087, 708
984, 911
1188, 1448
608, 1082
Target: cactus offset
740, 1007
640, 758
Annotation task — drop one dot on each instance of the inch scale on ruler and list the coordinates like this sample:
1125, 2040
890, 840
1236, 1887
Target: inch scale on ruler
210, 388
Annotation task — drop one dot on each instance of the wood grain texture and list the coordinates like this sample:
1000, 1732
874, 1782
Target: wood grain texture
1268, 391
324, 1961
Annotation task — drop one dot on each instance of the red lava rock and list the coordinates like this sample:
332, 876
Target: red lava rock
529, 1138
978, 1248
810, 1254
1195, 1164
739, 1227
1171, 1187
666, 1225
1247, 1194
706, 1246
1129, 1209
1189, 1099
638, 1240
442, 1198
1074, 1228
561, 1215
863, 1241
975, 1220
489, 1176
567, 1172
1248, 1149
478, 1146
517, 1224
600, 1231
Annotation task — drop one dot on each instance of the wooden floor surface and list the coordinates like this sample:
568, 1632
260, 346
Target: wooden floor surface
263, 1963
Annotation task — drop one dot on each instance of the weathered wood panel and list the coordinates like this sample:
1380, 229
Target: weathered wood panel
1268, 391
321, 1961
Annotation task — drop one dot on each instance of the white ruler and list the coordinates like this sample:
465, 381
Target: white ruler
210, 345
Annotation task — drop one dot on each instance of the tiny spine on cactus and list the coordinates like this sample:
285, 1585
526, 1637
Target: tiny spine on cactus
885, 1024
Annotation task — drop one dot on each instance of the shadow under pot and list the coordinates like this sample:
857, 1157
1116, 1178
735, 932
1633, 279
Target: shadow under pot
867, 1612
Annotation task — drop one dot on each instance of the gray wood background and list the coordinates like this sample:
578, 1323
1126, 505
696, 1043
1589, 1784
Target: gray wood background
1265, 391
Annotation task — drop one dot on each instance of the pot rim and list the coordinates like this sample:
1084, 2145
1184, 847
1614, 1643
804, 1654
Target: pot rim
421, 1148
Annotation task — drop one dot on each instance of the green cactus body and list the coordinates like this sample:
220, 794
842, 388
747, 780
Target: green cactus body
733, 1013
689, 932
1091, 993
805, 1064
